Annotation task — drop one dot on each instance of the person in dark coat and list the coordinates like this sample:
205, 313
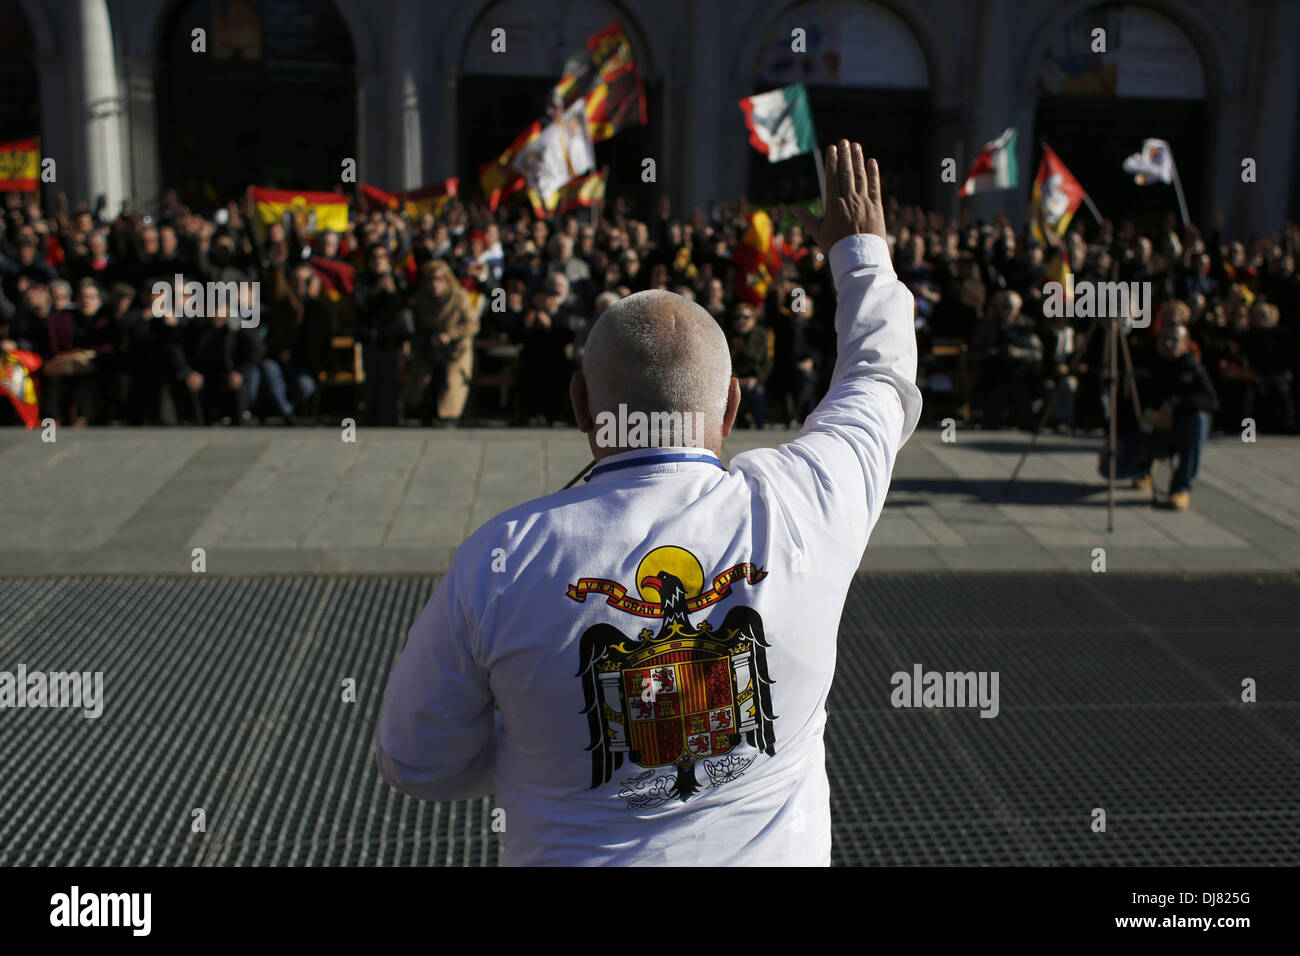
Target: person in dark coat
219, 358
383, 325
751, 362
1271, 351
1011, 357
1178, 402
543, 366
320, 318
82, 351
806, 361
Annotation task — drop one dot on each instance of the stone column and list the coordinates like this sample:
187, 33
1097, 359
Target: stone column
991, 105
142, 122
702, 117
405, 52
1273, 133
96, 106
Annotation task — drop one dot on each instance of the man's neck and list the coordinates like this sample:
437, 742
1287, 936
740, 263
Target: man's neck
600, 454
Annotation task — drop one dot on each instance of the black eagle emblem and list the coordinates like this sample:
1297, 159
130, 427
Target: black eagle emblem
676, 697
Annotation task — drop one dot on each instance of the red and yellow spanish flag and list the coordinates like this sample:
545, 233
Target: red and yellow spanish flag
307, 212
16, 369
20, 165
497, 177
581, 193
374, 198
431, 198
535, 200
607, 77
614, 106
756, 259
608, 54
337, 278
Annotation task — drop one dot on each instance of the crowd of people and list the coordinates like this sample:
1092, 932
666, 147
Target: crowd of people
985, 287
465, 302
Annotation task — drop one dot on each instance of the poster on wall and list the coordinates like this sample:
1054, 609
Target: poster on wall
1146, 56
843, 44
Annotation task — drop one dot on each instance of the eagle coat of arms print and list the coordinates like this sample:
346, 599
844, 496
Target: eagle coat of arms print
683, 695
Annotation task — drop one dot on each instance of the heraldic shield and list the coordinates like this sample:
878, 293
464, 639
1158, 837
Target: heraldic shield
684, 694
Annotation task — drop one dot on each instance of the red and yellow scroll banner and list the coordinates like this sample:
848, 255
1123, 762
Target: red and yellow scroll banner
616, 594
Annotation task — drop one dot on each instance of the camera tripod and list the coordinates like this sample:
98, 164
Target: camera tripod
1116, 346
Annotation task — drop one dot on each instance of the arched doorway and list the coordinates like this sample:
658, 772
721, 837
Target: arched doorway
272, 102
1150, 83
867, 80
20, 110
499, 96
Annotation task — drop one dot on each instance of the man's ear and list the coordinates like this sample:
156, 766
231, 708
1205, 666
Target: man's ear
578, 396
733, 407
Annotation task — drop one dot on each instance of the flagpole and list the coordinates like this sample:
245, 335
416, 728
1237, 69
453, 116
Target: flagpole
1092, 208
600, 203
821, 177
1178, 188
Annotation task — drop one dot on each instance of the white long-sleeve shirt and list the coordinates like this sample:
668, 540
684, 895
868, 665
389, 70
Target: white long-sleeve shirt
638, 667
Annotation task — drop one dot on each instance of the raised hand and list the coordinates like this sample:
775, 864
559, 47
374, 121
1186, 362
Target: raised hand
853, 201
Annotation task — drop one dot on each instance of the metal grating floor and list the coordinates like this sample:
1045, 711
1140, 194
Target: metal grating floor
1117, 691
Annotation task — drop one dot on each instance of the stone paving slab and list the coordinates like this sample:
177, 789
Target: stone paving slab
399, 501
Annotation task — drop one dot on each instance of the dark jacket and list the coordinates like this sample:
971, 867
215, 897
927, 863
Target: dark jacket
320, 318
382, 319
750, 357
215, 351
1183, 381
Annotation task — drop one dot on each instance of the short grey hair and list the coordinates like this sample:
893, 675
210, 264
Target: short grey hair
657, 352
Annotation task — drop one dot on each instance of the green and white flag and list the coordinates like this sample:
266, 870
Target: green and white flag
780, 123
995, 167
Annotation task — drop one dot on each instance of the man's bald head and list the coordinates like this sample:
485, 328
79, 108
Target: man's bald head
656, 351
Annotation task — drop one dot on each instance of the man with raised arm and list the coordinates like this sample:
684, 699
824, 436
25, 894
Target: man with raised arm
638, 667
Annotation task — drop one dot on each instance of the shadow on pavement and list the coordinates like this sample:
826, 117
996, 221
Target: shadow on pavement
1024, 492
1046, 443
